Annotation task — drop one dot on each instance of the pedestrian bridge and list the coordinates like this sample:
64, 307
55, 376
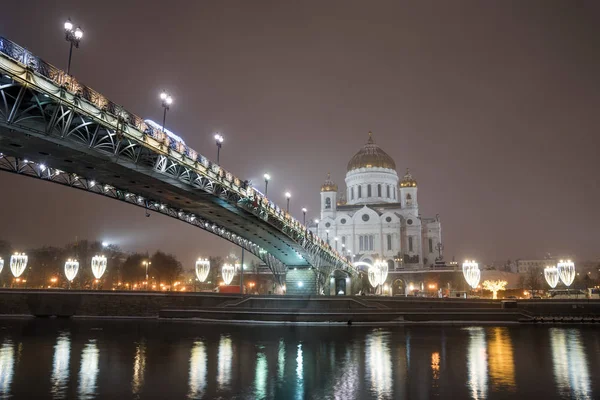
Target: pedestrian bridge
56, 129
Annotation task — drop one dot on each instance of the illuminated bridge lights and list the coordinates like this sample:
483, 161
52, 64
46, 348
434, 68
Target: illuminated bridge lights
136, 139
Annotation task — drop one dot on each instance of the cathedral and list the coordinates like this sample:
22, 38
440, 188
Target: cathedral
377, 215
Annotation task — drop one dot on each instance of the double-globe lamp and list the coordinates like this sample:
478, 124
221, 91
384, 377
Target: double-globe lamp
166, 101
73, 36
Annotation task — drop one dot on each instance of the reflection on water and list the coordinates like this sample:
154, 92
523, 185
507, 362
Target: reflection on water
168, 360
500, 352
197, 370
477, 363
570, 366
224, 363
380, 363
88, 371
261, 375
346, 382
7, 364
299, 373
60, 366
139, 366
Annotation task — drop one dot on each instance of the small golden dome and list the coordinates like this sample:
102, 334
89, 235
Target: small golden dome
408, 180
371, 156
329, 186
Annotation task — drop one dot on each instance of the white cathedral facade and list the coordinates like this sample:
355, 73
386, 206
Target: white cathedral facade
377, 216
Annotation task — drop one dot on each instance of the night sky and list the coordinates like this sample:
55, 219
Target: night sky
493, 105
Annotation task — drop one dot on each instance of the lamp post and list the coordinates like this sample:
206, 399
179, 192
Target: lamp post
304, 210
336, 242
146, 263
219, 140
72, 36
267, 178
288, 195
166, 100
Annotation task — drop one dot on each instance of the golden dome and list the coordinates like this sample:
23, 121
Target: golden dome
371, 156
329, 186
408, 180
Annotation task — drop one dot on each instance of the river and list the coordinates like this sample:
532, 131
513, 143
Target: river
108, 359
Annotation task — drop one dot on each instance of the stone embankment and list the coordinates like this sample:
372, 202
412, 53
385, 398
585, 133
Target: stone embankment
292, 309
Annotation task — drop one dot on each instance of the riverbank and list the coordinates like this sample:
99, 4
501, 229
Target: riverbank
235, 308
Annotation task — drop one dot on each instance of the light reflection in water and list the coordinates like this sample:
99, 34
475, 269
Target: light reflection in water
501, 363
379, 363
224, 362
139, 367
7, 364
198, 367
299, 373
477, 363
60, 366
570, 365
88, 371
281, 360
347, 379
260, 378
435, 365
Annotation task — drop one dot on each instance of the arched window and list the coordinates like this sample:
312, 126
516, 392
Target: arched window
410, 243
391, 265
359, 192
393, 191
389, 241
408, 199
328, 202
388, 191
379, 190
351, 193
368, 190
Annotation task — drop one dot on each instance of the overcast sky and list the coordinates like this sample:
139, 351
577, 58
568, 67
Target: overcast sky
493, 105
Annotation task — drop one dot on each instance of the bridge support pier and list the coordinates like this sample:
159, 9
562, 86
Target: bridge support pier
301, 282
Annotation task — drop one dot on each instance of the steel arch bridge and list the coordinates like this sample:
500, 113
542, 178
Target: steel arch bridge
55, 129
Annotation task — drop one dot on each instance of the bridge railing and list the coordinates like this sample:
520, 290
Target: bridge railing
199, 162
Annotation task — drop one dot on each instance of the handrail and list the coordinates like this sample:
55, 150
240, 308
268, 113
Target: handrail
78, 90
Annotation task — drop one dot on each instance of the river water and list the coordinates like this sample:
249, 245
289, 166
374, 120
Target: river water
86, 359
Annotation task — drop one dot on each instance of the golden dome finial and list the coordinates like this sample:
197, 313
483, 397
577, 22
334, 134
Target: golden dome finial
408, 180
329, 185
370, 140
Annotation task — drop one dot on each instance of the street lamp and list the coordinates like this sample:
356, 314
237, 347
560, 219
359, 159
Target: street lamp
146, 263
304, 210
219, 140
267, 178
166, 101
73, 36
288, 195
336, 240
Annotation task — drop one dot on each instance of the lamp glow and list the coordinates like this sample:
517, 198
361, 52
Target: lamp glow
18, 263
551, 275
566, 271
202, 269
267, 177
228, 271
288, 195
98, 266
71, 269
494, 287
471, 273
1, 264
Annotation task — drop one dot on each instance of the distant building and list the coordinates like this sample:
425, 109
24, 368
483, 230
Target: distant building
524, 266
377, 216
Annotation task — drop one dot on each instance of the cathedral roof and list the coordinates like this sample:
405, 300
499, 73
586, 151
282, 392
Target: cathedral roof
329, 185
408, 180
371, 156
